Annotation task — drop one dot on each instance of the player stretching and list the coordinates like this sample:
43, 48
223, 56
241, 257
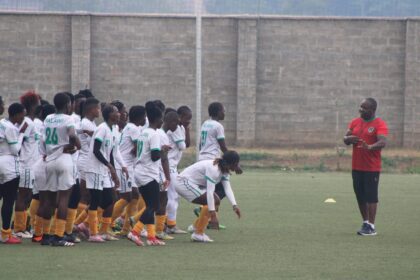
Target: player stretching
197, 184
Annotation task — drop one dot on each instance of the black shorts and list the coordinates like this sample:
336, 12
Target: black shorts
365, 185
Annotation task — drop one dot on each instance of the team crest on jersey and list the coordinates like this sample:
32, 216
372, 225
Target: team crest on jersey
371, 129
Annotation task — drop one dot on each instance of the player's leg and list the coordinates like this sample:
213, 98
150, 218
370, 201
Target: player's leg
72, 213
371, 193
94, 183
161, 217
24, 196
107, 203
172, 207
8, 193
358, 187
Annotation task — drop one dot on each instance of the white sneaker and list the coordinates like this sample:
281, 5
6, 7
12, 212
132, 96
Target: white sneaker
175, 230
143, 233
200, 238
23, 234
109, 237
191, 228
96, 239
136, 239
164, 236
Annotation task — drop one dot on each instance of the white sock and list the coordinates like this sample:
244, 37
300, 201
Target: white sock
372, 225
366, 222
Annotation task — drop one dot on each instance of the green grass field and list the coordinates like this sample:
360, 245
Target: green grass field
286, 232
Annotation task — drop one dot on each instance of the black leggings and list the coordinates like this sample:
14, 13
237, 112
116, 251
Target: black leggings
102, 198
75, 196
150, 194
220, 190
8, 192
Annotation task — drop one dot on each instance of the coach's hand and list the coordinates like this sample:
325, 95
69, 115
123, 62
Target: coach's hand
352, 139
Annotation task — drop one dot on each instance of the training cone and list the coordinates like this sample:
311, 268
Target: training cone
330, 200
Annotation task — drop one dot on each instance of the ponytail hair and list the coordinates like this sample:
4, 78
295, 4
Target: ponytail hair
229, 158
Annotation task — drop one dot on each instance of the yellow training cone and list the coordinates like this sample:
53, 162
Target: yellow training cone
330, 200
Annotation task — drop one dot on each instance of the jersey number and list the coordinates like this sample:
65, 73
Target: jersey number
52, 138
203, 138
139, 148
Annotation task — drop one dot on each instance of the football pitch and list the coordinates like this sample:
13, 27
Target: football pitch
286, 232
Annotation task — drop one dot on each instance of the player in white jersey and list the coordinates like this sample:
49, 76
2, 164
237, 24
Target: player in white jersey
40, 174
10, 143
127, 146
179, 141
99, 171
60, 142
197, 184
29, 154
147, 176
170, 123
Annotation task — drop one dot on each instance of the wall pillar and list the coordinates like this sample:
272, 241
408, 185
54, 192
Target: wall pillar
246, 82
80, 53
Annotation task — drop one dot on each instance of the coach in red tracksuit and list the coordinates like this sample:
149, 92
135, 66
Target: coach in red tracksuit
368, 135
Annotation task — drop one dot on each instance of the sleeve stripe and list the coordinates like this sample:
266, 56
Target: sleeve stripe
220, 138
156, 149
99, 139
12, 143
207, 178
179, 141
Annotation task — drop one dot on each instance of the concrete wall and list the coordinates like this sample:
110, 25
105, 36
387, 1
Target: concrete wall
284, 81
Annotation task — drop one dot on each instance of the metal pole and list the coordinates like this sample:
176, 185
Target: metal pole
198, 8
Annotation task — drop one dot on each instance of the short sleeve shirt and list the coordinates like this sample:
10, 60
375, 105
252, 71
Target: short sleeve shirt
147, 169
365, 160
129, 136
211, 132
175, 138
105, 135
56, 134
85, 139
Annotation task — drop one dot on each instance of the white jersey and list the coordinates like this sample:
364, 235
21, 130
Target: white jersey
85, 139
177, 143
77, 121
105, 135
116, 154
211, 132
206, 174
164, 141
29, 153
56, 134
39, 125
10, 144
146, 169
129, 137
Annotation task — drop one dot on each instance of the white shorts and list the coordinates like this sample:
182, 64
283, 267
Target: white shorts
94, 181
108, 183
27, 178
60, 176
82, 175
187, 190
40, 174
9, 168
126, 184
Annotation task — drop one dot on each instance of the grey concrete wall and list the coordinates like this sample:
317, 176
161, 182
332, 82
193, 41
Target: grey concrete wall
284, 81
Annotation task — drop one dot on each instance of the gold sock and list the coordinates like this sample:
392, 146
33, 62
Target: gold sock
5, 234
38, 225
46, 226
19, 221
151, 232
71, 216
81, 207
25, 218
81, 217
53, 224
139, 213
105, 223
138, 227
160, 222
130, 211
60, 226
93, 222
118, 208
171, 223
100, 213
203, 220
33, 208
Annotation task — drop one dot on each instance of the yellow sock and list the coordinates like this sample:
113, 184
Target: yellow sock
139, 213
118, 208
130, 211
60, 227
46, 225
25, 219
106, 222
93, 222
5, 233
53, 224
71, 216
151, 232
19, 221
202, 220
81, 217
38, 225
33, 208
138, 227
81, 207
160, 222
141, 203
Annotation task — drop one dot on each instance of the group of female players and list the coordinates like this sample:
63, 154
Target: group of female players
73, 179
